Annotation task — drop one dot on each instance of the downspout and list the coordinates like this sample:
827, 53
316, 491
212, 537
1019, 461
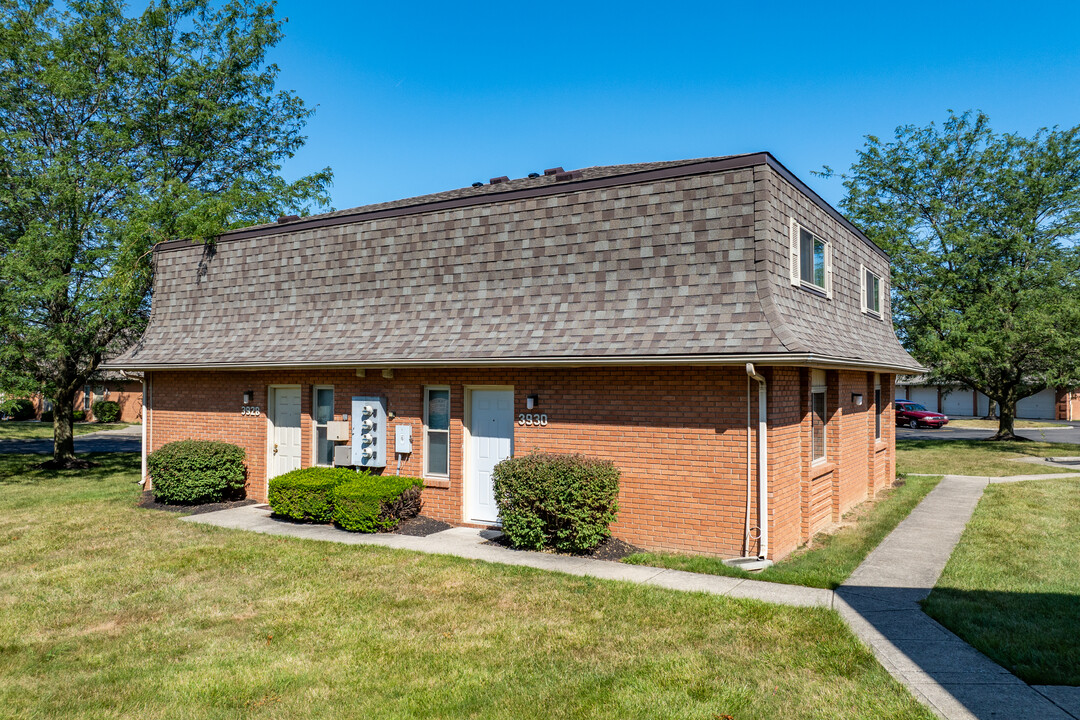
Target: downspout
145, 389
763, 464
760, 561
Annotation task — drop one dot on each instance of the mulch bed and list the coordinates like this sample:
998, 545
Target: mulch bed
612, 549
148, 502
420, 526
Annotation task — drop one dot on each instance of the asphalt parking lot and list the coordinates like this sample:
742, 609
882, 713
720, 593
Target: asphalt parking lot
1070, 434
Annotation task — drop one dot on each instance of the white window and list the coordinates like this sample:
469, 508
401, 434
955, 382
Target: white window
811, 259
322, 401
437, 431
817, 415
871, 291
87, 397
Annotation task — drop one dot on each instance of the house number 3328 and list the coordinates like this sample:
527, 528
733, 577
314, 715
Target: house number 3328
532, 419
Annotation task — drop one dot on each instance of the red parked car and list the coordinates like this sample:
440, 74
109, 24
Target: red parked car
915, 415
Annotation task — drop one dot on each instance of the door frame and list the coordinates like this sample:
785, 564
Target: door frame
466, 449
271, 417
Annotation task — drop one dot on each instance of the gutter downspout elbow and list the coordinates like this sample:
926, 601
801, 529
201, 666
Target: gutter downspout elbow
763, 463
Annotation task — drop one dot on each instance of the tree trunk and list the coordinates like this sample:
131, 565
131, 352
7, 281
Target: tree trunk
1006, 421
63, 429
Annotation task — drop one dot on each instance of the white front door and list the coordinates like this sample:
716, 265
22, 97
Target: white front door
491, 429
285, 453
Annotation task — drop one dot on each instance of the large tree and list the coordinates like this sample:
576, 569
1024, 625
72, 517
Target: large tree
118, 132
983, 231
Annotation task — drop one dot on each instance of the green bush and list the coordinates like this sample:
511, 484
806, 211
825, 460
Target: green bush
374, 503
306, 494
47, 416
106, 411
562, 502
20, 409
190, 472
78, 416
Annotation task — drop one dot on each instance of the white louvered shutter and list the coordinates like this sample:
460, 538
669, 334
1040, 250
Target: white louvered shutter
864, 298
793, 241
828, 270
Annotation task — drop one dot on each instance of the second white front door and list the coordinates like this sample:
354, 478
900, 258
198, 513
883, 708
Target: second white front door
285, 453
491, 429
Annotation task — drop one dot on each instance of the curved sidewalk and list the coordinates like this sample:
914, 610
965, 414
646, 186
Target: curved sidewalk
879, 601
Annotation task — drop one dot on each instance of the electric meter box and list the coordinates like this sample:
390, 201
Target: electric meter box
337, 430
403, 439
368, 432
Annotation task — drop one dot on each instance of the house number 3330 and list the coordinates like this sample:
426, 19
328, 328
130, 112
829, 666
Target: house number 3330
532, 419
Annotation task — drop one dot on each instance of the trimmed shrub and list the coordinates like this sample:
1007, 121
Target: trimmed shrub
562, 502
78, 416
190, 472
106, 411
305, 494
375, 503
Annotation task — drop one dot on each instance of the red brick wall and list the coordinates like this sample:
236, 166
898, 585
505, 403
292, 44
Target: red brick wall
677, 434
127, 394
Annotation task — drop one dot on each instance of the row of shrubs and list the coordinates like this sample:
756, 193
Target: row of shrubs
357, 501
105, 411
561, 502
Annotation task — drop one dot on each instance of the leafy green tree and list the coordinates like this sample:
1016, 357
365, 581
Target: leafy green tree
117, 133
983, 231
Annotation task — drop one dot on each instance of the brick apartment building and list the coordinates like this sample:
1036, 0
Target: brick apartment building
712, 326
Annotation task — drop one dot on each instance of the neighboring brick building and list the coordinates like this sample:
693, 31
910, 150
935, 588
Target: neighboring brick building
611, 311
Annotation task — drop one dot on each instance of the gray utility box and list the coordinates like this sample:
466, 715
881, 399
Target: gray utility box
368, 432
342, 455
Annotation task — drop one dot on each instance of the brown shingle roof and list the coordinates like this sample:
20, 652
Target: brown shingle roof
631, 262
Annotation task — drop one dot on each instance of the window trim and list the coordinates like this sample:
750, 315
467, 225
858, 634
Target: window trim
865, 294
795, 259
427, 430
315, 424
823, 391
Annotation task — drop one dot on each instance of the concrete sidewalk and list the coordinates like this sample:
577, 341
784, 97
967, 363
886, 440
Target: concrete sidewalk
879, 601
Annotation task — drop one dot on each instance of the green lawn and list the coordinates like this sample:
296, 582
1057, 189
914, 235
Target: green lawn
19, 430
110, 611
1012, 585
831, 558
977, 457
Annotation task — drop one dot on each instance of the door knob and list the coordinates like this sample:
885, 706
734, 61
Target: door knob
275, 448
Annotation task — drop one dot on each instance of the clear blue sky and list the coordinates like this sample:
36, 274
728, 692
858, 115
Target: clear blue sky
416, 98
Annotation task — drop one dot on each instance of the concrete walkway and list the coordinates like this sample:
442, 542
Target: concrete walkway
879, 601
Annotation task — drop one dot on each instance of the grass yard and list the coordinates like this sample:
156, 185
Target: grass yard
21, 430
830, 559
980, 424
1012, 586
110, 611
977, 457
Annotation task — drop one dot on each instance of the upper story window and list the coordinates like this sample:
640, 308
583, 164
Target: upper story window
811, 259
871, 291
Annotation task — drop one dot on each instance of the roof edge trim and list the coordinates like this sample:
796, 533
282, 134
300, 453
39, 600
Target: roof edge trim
615, 360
